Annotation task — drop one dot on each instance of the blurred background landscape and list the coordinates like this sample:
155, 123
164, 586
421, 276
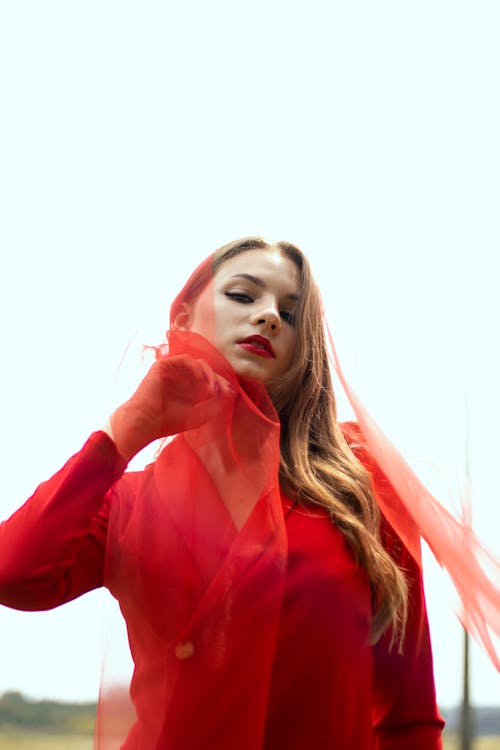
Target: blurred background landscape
54, 725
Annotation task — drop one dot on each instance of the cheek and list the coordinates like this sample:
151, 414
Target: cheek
290, 349
293, 343
202, 320
229, 320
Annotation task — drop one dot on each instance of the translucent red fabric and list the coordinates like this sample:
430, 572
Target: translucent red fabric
414, 512
226, 596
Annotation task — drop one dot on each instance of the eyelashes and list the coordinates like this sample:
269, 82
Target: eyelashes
287, 317
245, 299
239, 297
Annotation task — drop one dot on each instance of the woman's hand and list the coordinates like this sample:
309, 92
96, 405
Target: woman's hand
178, 393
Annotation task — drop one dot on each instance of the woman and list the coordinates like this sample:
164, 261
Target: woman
268, 604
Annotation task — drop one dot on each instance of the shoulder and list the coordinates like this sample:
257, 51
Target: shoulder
360, 448
358, 445
383, 491
351, 431
131, 483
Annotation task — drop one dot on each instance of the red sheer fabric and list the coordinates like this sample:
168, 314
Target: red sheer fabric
414, 512
253, 638
222, 589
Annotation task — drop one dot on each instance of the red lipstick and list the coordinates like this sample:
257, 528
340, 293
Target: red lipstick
258, 345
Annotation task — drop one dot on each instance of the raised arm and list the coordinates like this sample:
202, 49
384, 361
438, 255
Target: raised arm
52, 548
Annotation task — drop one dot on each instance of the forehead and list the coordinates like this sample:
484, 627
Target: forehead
270, 266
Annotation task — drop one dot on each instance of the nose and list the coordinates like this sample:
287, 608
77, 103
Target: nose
267, 316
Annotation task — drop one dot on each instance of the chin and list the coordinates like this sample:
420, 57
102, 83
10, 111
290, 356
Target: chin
247, 372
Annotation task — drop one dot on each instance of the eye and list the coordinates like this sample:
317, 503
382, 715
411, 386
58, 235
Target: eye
287, 317
239, 297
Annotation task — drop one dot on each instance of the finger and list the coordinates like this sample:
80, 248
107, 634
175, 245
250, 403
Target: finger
223, 387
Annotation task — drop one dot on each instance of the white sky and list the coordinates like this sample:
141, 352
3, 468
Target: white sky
137, 137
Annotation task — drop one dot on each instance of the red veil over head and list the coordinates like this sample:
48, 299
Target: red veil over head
202, 598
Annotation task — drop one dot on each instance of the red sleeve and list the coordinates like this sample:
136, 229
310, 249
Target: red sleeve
404, 712
52, 548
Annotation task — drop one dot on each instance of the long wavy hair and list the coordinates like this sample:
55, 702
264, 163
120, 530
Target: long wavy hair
316, 463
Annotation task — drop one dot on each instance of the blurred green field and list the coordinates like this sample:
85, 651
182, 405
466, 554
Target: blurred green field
32, 741
12, 740
481, 743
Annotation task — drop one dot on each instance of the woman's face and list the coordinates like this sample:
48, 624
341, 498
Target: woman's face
247, 313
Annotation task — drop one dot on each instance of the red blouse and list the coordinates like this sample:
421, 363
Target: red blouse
234, 644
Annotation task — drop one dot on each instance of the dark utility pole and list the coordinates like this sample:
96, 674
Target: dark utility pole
466, 710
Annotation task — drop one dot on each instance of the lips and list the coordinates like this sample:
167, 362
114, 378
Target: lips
260, 344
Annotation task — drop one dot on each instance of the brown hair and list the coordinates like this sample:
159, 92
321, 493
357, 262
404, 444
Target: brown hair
316, 464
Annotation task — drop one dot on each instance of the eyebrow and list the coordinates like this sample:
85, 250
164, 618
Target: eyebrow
258, 282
